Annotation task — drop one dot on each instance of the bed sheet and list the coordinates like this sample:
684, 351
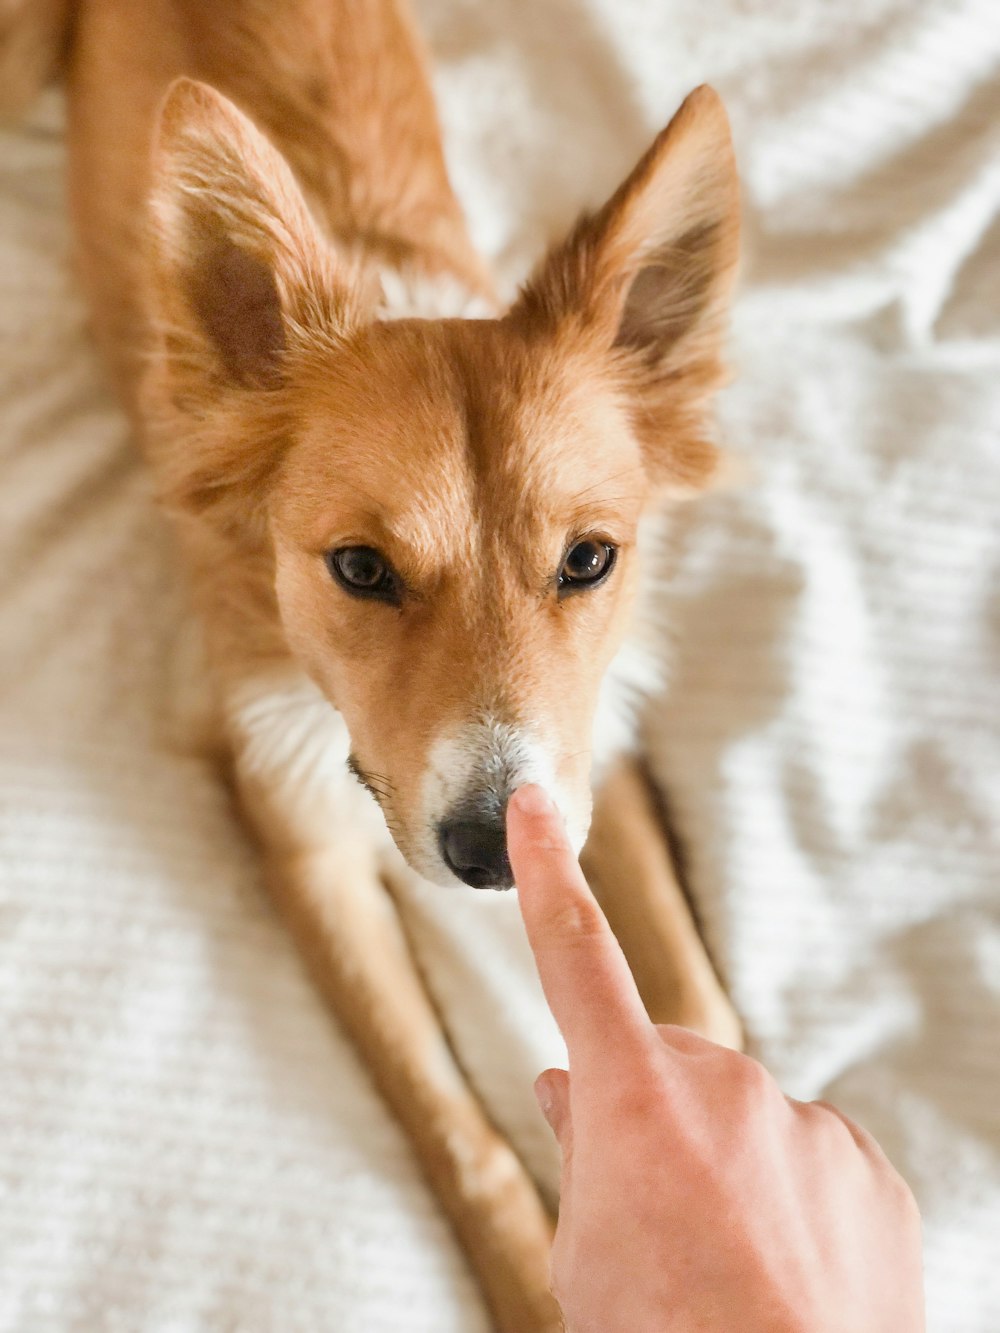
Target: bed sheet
186, 1141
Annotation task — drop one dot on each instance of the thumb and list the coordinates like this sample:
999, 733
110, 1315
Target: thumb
552, 1091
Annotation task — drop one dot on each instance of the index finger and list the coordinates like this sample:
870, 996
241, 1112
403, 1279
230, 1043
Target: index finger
587, 982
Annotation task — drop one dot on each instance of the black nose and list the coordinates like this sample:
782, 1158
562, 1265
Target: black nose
476, 850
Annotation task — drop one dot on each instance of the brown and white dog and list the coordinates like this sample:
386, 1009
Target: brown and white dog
412, 521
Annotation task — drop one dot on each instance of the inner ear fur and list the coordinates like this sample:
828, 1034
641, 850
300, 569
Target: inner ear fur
236, 261
239, 282
648, 280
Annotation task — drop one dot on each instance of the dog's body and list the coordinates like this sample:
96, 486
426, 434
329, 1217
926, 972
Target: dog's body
299, 380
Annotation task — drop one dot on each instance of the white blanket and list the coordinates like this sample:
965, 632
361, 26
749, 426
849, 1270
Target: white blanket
186, 1141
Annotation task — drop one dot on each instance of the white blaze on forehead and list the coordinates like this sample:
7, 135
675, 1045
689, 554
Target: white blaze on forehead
480, 765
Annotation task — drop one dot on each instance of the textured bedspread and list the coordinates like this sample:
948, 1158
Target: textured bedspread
186, 1141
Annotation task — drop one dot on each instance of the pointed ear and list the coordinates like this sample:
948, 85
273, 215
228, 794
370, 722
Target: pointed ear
648, 279
237, 262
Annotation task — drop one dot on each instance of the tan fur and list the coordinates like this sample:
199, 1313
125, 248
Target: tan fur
234, 261
34, 35
628, 865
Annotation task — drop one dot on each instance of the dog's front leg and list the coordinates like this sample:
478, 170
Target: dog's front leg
628, 864
323, 866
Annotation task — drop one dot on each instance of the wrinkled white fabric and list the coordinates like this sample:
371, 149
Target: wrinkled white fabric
186, 1141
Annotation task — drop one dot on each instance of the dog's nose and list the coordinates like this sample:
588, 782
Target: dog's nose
476, 851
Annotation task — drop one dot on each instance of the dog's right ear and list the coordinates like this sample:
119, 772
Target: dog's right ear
237, 262
647, 281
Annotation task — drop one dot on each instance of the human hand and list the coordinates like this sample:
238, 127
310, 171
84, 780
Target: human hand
695, 1195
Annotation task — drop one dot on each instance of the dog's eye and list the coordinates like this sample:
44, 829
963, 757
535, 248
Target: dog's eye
586, 564
363, 572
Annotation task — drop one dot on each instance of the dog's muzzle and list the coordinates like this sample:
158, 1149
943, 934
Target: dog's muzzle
472, 772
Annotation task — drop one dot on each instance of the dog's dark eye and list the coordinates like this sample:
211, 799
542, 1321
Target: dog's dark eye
363, 572
586, 563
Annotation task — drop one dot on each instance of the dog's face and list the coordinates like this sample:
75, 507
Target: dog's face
455, 533
449, 508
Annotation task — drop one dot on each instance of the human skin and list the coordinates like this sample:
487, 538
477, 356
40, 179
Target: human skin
695, 1195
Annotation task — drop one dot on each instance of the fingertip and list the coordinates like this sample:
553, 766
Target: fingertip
532, 800
533, 817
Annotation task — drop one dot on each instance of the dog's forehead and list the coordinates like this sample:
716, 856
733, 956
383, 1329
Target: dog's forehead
446, 430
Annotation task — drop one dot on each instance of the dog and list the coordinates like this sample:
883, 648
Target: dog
413, 519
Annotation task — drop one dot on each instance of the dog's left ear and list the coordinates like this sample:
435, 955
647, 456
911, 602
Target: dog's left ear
648, 280
239, 283
237, 264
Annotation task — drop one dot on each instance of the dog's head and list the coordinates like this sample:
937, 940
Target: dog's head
445, 511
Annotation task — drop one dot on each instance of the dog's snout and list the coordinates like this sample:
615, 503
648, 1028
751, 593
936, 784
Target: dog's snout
476, 851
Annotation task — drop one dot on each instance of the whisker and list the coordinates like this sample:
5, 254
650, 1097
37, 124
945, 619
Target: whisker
377, 785
606, 481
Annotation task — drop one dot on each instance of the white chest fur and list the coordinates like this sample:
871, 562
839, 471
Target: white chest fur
292, 746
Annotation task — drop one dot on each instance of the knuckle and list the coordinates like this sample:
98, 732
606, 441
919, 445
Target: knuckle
838, 1125
829, 1135
912, 1213
640, 1097
903, 1198
749, 1079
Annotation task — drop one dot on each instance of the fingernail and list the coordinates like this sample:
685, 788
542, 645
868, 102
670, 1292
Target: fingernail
533, 800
